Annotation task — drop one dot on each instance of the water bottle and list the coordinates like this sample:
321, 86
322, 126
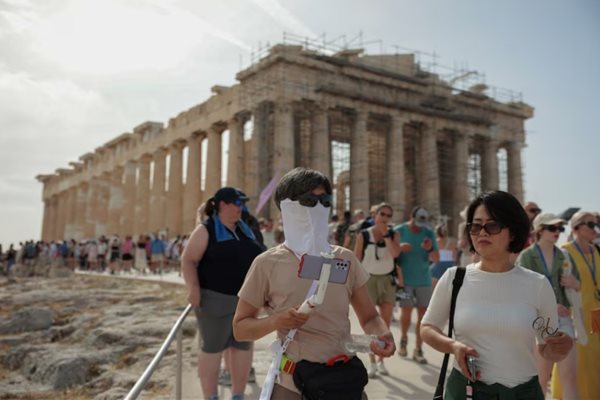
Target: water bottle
362, 343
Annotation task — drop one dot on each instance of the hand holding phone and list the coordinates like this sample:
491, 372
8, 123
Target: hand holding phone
310, 268
471, 367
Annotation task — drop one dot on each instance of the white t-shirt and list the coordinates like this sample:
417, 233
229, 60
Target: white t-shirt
377, 260
495, 314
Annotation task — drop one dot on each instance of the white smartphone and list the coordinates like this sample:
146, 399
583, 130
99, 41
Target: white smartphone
310, 268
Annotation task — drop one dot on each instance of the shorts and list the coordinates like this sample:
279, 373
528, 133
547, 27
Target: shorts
114, 256
381, 289
156, 258
127, 257
437, 269
420, 296
215, 322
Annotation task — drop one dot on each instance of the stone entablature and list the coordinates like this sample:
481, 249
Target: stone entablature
396, 118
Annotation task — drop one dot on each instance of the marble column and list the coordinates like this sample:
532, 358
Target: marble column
490, 176
71, 214
235, 160
62, 200
461, 173
80, 211
142, 197
158, 197
91, 210
129, 191
103, 188
284, 155
257, 159
175, 194
213, 162
53, 219
46, 220
430, 171
395, 166
320, 143
115, 202
193, 189
515, 177
359, 161
284, 152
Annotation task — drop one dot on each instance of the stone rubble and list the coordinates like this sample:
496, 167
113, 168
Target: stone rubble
90, 334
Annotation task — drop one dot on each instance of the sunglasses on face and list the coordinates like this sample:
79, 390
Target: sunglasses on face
310, 200
589, 224
554, 228
534, 210
492, 228
238, 202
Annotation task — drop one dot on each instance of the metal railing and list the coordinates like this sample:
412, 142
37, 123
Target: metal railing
175, 331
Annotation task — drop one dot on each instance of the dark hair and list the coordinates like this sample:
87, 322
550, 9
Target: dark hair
504, 208
211, 207
441, 230
298, 182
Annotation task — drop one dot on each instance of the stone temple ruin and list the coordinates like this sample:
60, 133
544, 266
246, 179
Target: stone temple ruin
382, 127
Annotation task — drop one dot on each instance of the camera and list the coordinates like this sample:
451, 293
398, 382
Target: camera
471, 367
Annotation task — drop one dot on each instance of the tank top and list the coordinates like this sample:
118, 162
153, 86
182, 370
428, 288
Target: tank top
445, 253
377, 260
224, 264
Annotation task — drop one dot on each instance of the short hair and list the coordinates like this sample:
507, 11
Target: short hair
504, 208
298, 182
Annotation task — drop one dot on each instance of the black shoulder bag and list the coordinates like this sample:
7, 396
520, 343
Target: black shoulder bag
456, 284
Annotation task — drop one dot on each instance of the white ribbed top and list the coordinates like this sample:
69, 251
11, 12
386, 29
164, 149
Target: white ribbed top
494, 315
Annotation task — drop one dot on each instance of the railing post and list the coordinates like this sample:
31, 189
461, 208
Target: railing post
175, 331
178, 393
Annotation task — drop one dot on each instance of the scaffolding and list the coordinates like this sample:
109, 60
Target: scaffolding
442, 81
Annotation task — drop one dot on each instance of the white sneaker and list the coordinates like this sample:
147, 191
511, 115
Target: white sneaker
373, 370
382, 369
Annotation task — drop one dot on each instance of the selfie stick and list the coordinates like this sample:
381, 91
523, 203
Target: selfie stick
279, 348
318, 298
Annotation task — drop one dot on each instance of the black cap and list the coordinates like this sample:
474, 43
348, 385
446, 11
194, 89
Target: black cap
229, 195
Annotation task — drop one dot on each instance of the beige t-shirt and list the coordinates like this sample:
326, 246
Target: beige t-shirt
273, 283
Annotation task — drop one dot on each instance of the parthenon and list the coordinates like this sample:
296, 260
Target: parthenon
380, 126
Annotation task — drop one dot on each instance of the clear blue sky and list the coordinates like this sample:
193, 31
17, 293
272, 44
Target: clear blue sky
74, 74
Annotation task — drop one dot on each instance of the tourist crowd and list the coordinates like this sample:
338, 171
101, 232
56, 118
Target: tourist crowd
148, 253
514, 271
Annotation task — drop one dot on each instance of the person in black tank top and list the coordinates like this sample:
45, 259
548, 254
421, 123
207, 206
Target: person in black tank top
214, 265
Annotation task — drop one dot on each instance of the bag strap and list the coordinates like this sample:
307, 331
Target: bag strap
366, 239
456, 284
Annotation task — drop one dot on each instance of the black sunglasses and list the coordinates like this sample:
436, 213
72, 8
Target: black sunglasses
492, 228
310, 200
534, 210
589, 224
554, 228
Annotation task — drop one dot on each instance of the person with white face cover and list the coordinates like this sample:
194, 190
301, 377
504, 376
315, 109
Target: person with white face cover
304, 198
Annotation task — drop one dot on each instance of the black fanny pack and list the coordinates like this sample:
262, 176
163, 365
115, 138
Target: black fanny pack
342, 380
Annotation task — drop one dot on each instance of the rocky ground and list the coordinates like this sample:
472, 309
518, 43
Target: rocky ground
86, 337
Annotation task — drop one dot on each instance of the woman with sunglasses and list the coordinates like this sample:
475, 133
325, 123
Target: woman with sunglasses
377, 247
501, 309
545, 258
585, 258
214, 265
